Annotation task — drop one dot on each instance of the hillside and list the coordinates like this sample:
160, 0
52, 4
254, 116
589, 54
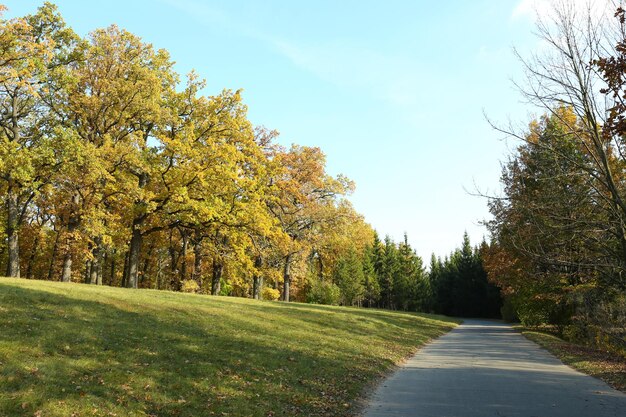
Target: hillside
80, 350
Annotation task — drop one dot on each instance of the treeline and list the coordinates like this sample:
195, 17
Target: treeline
460, 286
386, 275
559, 230
391, 275
114, 172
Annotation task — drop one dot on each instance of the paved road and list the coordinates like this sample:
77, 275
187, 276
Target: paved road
484, 369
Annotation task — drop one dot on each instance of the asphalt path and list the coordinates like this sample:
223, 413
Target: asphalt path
485, 368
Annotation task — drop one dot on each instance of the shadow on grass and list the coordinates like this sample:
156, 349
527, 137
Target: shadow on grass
400, 321
63, 354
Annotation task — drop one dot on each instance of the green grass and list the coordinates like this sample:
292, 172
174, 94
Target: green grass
80, 350
609, 367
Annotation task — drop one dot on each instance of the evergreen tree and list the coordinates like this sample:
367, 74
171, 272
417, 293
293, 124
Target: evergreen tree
377, 254
404, 278
350, 278
422, 294
388, 272
460, 286
371, 296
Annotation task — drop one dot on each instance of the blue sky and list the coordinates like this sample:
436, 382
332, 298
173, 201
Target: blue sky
393, 92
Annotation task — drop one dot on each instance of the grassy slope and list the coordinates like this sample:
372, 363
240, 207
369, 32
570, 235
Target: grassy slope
605, 366
79, 350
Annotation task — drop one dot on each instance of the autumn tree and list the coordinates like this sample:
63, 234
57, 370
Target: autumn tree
109, 163
304, 201
32, 48
549, 220
563, 77
560, 227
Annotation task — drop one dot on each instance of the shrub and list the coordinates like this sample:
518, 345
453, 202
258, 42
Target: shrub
323, 292
270, 294
226, 288
576, 333
190, 286
508, 311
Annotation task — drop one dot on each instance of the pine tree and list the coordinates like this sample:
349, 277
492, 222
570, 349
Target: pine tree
389, 267
402, 278
350, 278
371, 295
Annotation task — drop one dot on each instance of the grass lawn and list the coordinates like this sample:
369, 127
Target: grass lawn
81, 350
608, 367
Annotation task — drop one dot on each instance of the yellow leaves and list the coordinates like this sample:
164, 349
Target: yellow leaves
16, 159
24, 54
562, 118
118, 84
132, 153
270, 294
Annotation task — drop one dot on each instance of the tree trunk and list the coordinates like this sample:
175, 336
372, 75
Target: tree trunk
133, 258
33, 255
2, 249
87, 277
112, 272
174, 277
218, 268
257, 280
197, 261
183, 267
66, 274
53, 258
72, 224
105, 260
96, 267
12, 231
125, 270
146, 265
95, 274
321, 265
173, 266
136, 240
257, 283
287, 278
159, 274
100, 266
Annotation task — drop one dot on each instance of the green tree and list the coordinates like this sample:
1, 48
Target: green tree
550, 220
460, 284
388, 270
350, 278
371, 296
304, 201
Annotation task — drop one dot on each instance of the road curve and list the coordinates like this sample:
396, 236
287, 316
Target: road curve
485, 368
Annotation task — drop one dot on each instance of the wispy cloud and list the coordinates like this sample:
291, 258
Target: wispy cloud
212, 17
199, 10
392, 78
397, 80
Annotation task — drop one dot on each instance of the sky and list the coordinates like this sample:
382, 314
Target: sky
395, 93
